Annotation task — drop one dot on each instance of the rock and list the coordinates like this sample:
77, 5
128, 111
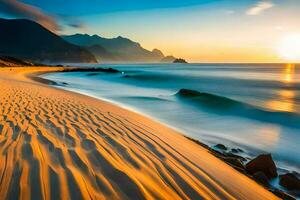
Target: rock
263, 163
261, 178
282, 195
234, 162
179, 60
236, 156
234, 151
289, 181
221, 147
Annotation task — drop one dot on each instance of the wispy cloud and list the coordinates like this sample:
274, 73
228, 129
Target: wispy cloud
72, 21
18, 9
260, 7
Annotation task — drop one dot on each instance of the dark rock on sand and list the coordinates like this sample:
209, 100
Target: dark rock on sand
235, 162
261, 178
289, 181
282, 195
263, 163
221, 147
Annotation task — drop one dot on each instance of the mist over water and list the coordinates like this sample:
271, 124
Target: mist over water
254, 107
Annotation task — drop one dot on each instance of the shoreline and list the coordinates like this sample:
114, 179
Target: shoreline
234, 160
211, 177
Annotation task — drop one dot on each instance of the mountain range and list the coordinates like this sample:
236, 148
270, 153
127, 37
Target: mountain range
118, 49
28, 40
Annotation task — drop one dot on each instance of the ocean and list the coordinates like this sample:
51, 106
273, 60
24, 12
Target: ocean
255, 107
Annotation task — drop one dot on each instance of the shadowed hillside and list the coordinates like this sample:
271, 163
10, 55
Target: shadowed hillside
28, 40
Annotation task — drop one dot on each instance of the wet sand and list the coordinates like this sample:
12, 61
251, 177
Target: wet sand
56, 144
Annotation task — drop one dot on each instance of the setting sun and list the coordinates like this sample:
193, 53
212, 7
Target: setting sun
289, 47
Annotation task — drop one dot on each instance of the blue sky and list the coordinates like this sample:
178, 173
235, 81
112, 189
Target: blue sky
199, 30
89, 7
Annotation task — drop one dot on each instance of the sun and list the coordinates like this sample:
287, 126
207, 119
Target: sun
289, 47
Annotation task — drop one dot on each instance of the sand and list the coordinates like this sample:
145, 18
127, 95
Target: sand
56, 144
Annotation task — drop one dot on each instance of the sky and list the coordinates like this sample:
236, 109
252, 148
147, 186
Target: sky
197, 30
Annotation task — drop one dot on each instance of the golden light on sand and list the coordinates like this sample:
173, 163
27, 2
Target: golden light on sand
289, 48
62, 145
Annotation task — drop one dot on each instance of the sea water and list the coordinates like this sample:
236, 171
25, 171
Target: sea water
255, 107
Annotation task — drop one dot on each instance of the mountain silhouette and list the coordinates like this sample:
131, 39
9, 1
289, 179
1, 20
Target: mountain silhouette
28, 40
118, 49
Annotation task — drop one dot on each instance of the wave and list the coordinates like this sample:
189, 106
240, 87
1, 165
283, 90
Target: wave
226, 106
145, 98
183, 80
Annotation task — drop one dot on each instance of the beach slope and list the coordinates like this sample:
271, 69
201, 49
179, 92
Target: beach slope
56, 144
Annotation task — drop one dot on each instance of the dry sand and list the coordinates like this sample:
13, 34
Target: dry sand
56, 144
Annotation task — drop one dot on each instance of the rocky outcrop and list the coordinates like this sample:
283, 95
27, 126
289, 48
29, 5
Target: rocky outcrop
290, 181
262, 163
180, 60
261, 178
221, 147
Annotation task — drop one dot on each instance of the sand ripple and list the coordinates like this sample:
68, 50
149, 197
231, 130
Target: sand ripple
60, 145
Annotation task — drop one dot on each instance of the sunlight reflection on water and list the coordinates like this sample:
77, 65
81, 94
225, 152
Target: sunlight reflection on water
286, 98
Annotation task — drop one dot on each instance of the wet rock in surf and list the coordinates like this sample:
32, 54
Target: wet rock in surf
180, 60
188, 93
261, 178
263, 163
236, 150
236, 156
290, 181
221, 147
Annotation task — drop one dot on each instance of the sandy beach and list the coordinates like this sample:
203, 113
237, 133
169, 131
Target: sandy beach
56, 144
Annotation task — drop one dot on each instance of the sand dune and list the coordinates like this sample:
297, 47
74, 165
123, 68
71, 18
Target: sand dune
56, 144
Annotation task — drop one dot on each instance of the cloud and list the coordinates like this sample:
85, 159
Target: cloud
18, 9
72, 21
260, 7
